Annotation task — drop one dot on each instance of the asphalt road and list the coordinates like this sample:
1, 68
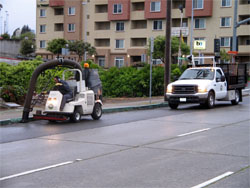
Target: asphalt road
150, 148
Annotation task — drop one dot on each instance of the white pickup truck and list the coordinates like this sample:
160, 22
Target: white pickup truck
204, 85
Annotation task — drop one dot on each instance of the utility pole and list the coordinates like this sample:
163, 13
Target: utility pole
168, 46
192, 28
235, 28
1, 6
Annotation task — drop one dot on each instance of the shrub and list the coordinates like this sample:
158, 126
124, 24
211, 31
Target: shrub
13, 93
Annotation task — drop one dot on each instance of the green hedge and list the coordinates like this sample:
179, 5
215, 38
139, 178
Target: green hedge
123, 82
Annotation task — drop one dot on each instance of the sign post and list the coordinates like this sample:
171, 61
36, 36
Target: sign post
151, 62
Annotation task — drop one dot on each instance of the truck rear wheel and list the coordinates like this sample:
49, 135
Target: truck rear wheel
173, 105
97, 111
210, 100
237, 98
76, 116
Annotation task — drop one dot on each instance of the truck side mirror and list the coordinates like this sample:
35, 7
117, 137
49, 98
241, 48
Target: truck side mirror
223, 78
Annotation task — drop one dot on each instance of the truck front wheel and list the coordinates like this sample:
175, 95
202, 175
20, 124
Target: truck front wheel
173, 105
210, 100
237, 98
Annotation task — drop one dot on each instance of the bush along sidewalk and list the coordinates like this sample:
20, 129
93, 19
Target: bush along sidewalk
116, 82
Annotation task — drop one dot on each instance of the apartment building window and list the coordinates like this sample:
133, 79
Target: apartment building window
42, 28
226, 3
71, 27
42, 44
119, 43
225, 41
199, 38
42, 12
119, 62
119, 26
157, 25
155, 6
72, 11
58, 27
58, 11
198, 4
101, 61
200, 23
225, 22
117, 9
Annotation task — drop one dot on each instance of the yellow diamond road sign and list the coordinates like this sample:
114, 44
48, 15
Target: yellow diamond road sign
199, 44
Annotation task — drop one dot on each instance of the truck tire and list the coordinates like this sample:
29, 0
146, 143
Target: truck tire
97, 111
237, 98
210, 100
76, 116
173, 105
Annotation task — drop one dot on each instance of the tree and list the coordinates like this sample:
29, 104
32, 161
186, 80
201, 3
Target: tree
25, 29
224, 56
55, 46
5, 36
27, 43
159, 47
80, 47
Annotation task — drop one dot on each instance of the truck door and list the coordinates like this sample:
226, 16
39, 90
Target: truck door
221, 86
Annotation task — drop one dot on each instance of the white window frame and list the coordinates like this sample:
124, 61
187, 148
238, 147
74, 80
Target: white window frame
120, 45
72, 11
119, 23
226, 3
71, 27
119, 8
156, 8
42, 28
119, 62
223, 39
42, 44
157, 21
196, 1
225, 21
199, 23
42, 13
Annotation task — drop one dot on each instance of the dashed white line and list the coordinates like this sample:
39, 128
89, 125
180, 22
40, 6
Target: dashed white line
36, 170
198, 131
213, 180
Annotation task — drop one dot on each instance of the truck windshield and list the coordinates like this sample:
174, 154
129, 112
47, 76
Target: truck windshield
207, 74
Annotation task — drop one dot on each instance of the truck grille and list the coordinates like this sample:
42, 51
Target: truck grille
185, 89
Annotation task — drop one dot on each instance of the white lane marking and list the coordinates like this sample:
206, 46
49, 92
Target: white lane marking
198, 131
36, 170
213, 180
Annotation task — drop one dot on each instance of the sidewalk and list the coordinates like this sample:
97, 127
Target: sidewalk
14, 115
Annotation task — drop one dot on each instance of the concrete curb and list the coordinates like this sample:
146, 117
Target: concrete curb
105, 111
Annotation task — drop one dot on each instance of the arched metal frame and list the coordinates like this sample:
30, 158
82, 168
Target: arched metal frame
36, 73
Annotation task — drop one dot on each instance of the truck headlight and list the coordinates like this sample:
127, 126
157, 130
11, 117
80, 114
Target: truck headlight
169, 89
202, 89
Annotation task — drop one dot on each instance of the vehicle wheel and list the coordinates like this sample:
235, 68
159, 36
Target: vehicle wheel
173, 105
52, 121
76, 116
97, 111
210, 100
237, 98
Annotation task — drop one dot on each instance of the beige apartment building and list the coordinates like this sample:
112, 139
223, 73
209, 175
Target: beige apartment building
120, 29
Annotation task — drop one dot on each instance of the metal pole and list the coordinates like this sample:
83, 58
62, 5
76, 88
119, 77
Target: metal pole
192, 28
151, 58
235, 29
180, 41
167, 46
85, 27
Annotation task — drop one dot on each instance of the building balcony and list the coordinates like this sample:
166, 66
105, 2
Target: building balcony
43, 3
176, 13
176, 31
244, 9
101, 17
244, 49
137, 15
243, 30
56, 3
